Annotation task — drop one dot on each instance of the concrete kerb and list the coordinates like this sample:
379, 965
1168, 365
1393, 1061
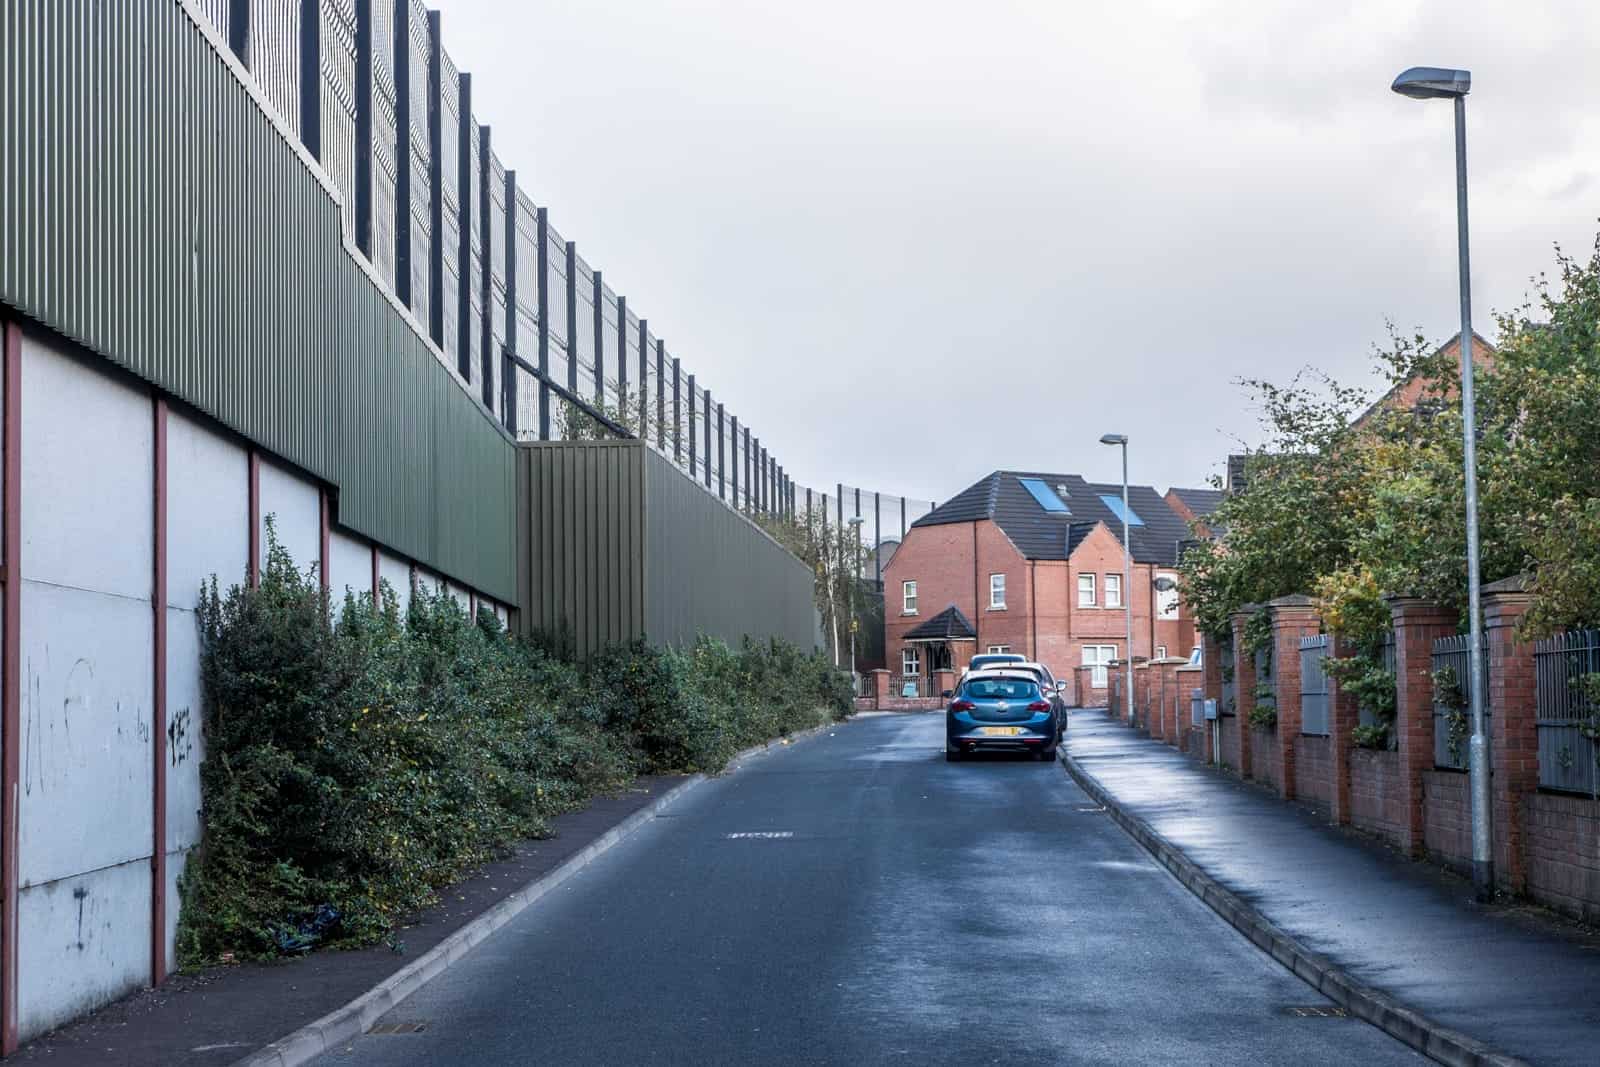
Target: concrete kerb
1432, 1039
358, 1016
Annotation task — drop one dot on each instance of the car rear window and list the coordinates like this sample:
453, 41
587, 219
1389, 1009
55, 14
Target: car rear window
1001, 689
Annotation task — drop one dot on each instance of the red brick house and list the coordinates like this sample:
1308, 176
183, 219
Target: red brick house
1033, 563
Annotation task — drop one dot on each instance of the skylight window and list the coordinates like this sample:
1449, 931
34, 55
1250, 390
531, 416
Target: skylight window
1046, 496
1115, 504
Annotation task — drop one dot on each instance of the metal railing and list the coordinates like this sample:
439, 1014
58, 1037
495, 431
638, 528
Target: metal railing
1450, 753
1366, 716
1560, 666
1313, 685
910, 685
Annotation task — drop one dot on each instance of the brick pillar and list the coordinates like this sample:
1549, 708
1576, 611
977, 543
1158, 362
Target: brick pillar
1211, 651
1172, 702
1293, 617
1153, 711
1139, 694
1244, 689
1344, 712
880, 689
1513, 730
1417, 624
1188, 680
943, 680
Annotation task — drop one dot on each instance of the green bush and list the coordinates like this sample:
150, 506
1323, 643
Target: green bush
363, 763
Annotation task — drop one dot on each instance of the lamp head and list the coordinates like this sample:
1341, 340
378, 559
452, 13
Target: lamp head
1114, 439
1431, 83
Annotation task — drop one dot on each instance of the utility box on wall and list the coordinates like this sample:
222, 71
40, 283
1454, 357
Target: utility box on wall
615, 543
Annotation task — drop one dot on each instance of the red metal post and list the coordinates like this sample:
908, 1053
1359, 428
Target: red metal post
11, 676
158, 735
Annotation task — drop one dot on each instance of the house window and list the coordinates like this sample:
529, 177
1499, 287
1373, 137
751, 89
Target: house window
997, 590
910, 662
1097, 656
908, 598
999, 648
1161, 652
1113, 590
1085, 590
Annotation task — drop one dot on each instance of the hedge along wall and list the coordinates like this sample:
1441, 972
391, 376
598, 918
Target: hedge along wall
617, 543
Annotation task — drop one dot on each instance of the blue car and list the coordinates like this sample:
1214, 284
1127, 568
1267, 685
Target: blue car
1000, 711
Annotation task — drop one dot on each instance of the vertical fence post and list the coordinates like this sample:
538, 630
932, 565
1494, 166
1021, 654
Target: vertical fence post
508, 366
692, 433
464, 192
572, 317
677, 412
622, 354
435, 185
486, 269
749, 472
363, 160
734, 446
644, 378
707, 431
599, 341
311, 73
722, 467
542, 216
661, 394
400, 51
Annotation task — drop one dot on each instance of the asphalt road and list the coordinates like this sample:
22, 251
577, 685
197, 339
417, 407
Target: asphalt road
854, 899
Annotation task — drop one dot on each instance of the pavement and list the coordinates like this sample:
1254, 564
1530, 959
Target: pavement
1513, 978
217, 1016
853, 898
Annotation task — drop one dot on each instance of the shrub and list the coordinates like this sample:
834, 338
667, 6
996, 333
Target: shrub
354, 767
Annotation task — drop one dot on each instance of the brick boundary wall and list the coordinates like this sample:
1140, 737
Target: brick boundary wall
1313, 771
1264, 755
1377, 794
1230, 743
1447, 828
1561, 841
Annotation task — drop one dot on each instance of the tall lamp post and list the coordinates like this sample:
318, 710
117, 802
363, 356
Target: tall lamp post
1127, 561
855, 576
1434, 83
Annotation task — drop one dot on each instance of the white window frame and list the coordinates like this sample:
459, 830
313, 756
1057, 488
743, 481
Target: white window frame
908, 597
911, 661
1091, 602
997, 603
1118, 581
998, 650
1097, 656
1161, 652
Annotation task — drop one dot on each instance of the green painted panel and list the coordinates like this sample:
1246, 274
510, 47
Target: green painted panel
152, 210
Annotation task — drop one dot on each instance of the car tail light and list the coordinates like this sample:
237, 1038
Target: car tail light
1039, 705
963, 705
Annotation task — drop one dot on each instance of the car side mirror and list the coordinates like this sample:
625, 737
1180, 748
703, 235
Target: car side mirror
948, 693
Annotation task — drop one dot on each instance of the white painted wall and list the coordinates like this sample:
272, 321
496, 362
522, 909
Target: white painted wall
208, 535
462, 596
87, 644
351, 559
397, 573
294, 505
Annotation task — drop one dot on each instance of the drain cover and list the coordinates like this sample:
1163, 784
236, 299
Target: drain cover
398, 1028
1315, 1011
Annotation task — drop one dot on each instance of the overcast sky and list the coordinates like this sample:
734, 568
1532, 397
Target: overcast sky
913, 242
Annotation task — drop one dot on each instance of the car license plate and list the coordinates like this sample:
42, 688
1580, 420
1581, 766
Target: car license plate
1001, 731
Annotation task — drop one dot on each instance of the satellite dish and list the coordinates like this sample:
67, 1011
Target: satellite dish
1165, 584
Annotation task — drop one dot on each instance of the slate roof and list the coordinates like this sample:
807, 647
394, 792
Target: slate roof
949, 624
1039, 534
1200, 501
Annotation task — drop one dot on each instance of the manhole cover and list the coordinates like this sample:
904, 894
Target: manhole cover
1315, 1011
398, 1028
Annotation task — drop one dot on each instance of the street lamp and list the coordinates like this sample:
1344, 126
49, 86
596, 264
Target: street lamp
855, 576
1127, 559
1433, 83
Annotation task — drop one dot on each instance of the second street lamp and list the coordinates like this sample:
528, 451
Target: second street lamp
1127, 562
1435, 83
